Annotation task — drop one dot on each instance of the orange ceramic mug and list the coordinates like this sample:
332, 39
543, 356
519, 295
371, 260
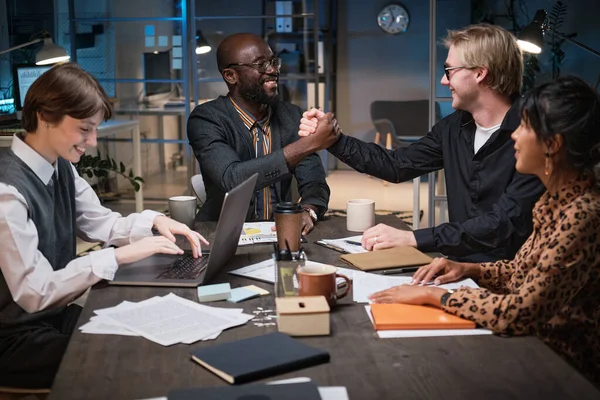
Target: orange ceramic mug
320, 280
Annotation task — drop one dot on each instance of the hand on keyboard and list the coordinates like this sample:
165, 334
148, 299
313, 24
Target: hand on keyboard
145, 248
169, 228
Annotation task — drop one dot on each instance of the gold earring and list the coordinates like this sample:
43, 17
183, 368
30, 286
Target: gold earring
47, 126
548, 166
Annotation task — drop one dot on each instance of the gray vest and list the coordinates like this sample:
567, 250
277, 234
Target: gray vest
52, 209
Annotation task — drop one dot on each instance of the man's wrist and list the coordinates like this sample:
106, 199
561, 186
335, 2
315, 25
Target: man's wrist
311, 210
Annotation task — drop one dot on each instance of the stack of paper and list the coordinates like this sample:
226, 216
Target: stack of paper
350, 245
257, 232
165, 320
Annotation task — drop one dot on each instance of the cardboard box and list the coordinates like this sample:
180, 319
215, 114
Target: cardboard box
303, 316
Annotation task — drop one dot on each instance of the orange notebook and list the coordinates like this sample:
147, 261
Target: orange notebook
404, 316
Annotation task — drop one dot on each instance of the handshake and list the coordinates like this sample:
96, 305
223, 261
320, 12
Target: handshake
319, 128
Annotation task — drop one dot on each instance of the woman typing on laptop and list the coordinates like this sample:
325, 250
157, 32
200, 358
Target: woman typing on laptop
44, 204
552, 287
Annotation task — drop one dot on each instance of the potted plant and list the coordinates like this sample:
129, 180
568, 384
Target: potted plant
95, 166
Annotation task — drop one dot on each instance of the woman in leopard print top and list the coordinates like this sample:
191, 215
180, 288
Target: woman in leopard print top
552, 287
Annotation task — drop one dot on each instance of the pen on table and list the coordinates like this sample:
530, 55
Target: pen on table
353, 242
399, 270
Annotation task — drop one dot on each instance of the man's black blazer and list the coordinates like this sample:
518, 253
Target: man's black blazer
223, 147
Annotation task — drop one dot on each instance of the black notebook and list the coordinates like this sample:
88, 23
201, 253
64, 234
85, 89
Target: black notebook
258, 357
292, 391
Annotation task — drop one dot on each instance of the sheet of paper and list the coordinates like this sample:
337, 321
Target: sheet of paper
172, 319
257, 232
264, 271
326, 392
367, 284
100, 326
408, 333
343, 245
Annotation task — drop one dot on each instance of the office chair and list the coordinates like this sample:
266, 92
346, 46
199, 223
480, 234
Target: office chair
198, 185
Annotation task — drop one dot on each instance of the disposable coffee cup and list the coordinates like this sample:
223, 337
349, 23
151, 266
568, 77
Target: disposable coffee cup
288, 224
183, 209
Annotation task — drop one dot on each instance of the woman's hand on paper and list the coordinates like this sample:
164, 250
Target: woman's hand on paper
409, 294
445, 271
144, 248
169, 228
382, 236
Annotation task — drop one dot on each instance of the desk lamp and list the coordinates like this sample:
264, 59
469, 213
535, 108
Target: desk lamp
202, 46
531, 37
49, 53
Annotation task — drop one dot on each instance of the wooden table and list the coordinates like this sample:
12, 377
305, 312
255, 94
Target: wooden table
460, 367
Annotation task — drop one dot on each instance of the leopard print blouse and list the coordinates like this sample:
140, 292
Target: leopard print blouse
552, 287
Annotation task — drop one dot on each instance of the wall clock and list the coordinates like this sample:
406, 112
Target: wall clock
393, 19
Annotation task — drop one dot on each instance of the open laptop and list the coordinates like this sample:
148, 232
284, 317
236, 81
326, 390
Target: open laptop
184, 270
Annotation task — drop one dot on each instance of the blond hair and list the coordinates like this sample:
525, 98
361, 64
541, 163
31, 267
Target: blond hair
493, 48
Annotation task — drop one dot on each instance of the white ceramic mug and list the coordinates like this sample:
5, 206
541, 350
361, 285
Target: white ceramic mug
360, 214
183, 209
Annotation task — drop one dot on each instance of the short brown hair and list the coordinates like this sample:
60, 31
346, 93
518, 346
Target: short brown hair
494, 48
64, 89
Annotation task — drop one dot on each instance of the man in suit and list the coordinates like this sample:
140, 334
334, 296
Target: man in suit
250, 131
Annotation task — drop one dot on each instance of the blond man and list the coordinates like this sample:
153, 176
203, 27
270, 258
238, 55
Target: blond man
489, 203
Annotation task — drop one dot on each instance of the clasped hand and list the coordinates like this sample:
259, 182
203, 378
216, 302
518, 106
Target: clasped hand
165, 243
322, 128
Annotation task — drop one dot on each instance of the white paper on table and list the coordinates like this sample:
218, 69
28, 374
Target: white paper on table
408, 333
326, 392
264, 271
345, 247
216, 335
103, 326
172, 319
257, 232
366, 284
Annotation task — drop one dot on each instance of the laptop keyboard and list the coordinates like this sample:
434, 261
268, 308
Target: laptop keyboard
185, 267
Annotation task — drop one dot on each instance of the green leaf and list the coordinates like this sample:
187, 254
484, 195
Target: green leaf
89, 173
136, 186
122, 167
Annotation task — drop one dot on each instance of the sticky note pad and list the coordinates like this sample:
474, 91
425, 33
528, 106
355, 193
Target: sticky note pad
241, 294
256, 289
216, 292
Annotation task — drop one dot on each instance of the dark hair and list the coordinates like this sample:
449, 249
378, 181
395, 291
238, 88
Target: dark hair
571, 108
64, 89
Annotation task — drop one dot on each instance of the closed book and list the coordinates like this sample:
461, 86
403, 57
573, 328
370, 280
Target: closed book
405, 256
405, 316
292, 391
259, 357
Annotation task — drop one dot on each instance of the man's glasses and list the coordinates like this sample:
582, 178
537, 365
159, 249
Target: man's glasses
448, 69
260, 66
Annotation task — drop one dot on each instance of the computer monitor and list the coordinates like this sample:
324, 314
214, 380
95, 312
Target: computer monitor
157, 65
23, 76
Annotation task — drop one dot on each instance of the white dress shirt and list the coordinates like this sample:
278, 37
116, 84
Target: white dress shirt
32, 282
